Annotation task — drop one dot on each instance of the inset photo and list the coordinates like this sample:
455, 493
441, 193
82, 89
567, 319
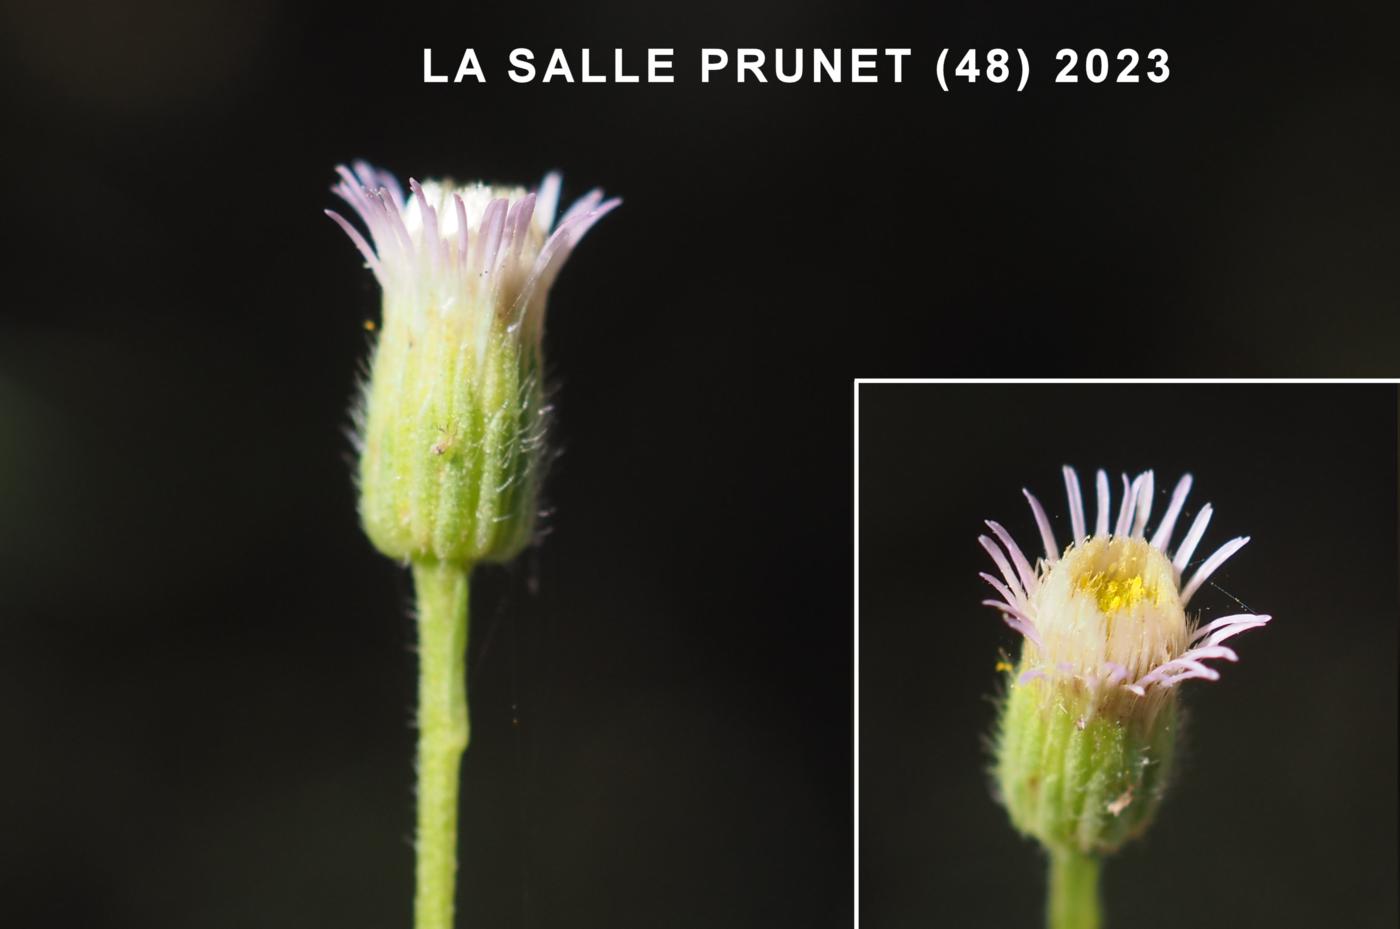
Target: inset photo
1127, 654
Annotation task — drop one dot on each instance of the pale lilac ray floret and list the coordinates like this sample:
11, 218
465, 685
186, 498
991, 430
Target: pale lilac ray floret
1109, 609
446, 244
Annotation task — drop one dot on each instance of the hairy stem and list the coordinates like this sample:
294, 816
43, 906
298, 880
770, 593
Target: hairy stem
1074, 891
443, 730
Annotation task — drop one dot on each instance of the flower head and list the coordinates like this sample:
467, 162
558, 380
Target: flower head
453, 414
1106, 639
1110, 610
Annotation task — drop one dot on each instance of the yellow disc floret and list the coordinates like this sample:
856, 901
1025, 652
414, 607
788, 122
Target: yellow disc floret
1115, 591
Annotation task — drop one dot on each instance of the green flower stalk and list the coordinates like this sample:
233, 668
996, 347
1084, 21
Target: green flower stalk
452, 431
1088, 725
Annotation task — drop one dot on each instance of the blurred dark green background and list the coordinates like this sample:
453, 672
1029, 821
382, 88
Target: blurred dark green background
206, 679
1283, 810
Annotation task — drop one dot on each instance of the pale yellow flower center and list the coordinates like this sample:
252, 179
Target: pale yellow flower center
1110, 599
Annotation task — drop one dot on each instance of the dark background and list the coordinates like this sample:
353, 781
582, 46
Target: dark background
205, 674
1283, 807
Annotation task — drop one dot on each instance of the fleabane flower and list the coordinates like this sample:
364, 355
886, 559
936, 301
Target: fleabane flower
1088, 725
453, 417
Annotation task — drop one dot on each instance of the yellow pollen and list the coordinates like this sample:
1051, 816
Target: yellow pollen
1118, 593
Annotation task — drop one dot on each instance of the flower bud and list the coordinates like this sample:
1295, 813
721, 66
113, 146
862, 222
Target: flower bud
453, 416
1088, 725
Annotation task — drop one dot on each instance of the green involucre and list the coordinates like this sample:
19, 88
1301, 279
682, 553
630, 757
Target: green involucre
1079, 777
453, 440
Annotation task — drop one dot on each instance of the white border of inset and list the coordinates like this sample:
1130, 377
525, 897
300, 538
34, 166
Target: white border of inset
855, 524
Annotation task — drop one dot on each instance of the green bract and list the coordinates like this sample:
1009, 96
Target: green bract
453, 441
1078, 780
